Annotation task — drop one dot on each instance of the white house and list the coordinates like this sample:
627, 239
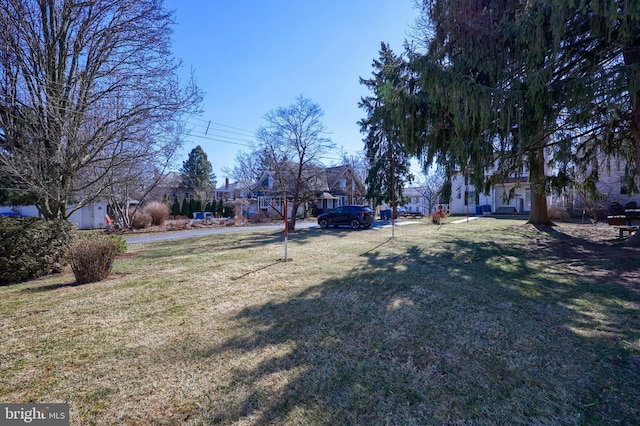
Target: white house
612, 184
513, 195
416, 200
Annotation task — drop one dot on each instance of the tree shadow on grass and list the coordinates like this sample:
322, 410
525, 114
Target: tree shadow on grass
466, 334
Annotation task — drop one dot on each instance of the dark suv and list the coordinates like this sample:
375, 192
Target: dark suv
354, 216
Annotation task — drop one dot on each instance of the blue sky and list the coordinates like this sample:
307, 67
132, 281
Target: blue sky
250, 57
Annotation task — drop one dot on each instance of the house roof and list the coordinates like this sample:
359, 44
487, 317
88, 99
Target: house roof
233, 186
334, 174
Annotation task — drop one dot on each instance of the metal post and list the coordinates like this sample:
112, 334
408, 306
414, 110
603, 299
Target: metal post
393, 198
286, 228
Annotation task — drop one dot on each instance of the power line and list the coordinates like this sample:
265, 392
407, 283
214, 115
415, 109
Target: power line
211, 122
218, 140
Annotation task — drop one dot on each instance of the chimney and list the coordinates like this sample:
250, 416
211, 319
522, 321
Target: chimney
226, 183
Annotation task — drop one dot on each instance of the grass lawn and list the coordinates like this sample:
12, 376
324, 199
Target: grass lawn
486, 322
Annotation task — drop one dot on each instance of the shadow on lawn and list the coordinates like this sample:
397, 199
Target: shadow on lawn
467, 333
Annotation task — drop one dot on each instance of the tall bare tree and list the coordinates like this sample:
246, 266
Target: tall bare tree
86, 88
432, 186
292, 143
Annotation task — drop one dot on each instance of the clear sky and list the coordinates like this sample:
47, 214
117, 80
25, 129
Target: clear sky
252, 56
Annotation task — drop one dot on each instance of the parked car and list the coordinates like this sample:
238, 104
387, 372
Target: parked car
401, 211
353, 216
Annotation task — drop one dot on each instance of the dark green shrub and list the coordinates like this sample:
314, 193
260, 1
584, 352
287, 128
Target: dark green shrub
31, 247
175, 208
92, 259
184, 210
119, 241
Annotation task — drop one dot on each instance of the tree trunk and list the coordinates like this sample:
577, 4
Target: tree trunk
294, 209
631, 56
539, 213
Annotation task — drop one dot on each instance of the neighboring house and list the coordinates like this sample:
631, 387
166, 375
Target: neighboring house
170, 185
232, 191
326, 189
416, 200
612, 185
514, 194
343, 185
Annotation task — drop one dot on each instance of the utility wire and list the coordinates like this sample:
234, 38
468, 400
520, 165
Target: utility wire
218, 140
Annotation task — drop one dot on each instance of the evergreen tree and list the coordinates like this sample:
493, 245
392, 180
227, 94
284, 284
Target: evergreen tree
175, 207
192, 206
184, 210
488, 94
198, 206
388, 161
198, 178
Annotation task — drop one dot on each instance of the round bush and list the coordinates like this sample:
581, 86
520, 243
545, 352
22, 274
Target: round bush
92, 259
158, 211
141, 220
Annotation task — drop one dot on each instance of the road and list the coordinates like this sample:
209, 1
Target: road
176, 235
191, 233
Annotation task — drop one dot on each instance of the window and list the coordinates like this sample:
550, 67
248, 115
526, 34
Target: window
468, 195
624, 190
343, 184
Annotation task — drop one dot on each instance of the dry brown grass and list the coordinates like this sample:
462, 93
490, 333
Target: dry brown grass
487, 322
